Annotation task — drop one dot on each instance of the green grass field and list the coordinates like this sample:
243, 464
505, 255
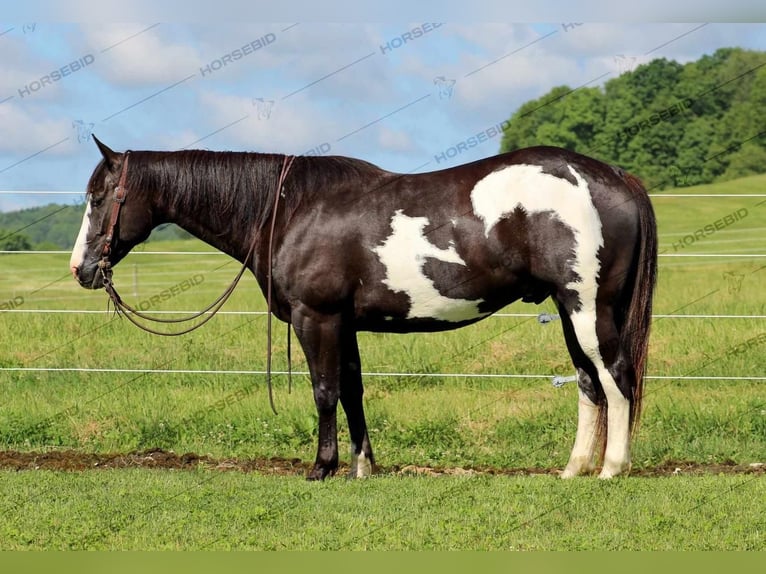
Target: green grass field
424, 420
130, 509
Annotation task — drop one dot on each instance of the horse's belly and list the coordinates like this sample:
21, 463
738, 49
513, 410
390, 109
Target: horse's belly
415, 308
435, 306
399, 324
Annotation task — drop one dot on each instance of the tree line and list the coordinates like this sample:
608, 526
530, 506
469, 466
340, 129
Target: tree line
54, 227
672, 124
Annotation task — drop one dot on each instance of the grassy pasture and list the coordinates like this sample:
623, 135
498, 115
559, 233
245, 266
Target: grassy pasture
139, 509
463, 421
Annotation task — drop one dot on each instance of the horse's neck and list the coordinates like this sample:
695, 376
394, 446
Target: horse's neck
228, 224
214, 230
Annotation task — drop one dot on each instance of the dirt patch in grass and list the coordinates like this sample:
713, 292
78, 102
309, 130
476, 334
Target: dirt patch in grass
71, 460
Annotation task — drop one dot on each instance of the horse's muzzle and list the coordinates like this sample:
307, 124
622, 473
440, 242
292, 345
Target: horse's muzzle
90, 277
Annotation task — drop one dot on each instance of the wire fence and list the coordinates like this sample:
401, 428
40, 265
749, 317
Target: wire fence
365, 373
502, 316
246, 313
219, 253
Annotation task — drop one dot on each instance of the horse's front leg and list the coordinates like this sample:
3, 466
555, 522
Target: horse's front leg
351, 392
320, 338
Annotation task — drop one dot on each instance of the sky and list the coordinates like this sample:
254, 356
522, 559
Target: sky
401, 95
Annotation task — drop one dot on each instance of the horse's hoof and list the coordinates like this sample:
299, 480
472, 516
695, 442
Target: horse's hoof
614, 470
577, 467
361, 466
320, 472
353, 474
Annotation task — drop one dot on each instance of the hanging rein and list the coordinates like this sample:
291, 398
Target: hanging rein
126, 310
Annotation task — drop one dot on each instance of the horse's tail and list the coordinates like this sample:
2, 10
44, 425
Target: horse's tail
634, 336
636, 309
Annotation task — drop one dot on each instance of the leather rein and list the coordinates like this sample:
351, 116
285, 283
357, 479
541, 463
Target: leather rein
126, 310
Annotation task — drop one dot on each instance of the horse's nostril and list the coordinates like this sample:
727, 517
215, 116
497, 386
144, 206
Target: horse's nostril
74, 271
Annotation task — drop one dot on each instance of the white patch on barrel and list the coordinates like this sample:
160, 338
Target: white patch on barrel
80, 244
404, 253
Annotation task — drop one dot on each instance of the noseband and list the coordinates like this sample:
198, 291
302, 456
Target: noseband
120, 194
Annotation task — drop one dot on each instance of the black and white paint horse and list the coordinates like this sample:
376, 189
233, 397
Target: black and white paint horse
357, 248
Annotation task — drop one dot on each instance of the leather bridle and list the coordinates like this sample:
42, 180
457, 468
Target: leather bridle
124, 309
120, 192
118, 199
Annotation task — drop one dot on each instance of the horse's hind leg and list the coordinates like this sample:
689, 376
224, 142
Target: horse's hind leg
351, 392
598, 338
590, 396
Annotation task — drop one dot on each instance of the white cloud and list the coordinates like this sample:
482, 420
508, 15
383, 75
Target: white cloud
22, 66
27, 130
395, 140
493, 39
131, 54
290, 126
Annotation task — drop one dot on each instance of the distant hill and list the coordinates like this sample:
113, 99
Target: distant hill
672, 124
55, 226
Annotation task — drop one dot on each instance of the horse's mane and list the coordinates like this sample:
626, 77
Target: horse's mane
238, 186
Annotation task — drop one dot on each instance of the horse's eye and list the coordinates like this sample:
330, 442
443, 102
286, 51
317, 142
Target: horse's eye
96, 202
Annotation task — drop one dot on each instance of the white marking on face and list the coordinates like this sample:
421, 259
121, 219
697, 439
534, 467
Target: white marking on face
80, 245
404, 254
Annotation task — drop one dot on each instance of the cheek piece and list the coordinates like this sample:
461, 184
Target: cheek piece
120, 193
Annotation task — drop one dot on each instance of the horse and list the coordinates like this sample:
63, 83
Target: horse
342, 246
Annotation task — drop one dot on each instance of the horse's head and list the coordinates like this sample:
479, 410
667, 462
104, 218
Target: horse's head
100, 241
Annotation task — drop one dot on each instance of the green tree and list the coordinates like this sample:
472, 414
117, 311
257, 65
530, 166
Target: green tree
14, 241
693, 149
750, 159
582, 119
671, 124
532, 123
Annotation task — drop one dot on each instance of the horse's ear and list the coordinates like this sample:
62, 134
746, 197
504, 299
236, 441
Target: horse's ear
110, 156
